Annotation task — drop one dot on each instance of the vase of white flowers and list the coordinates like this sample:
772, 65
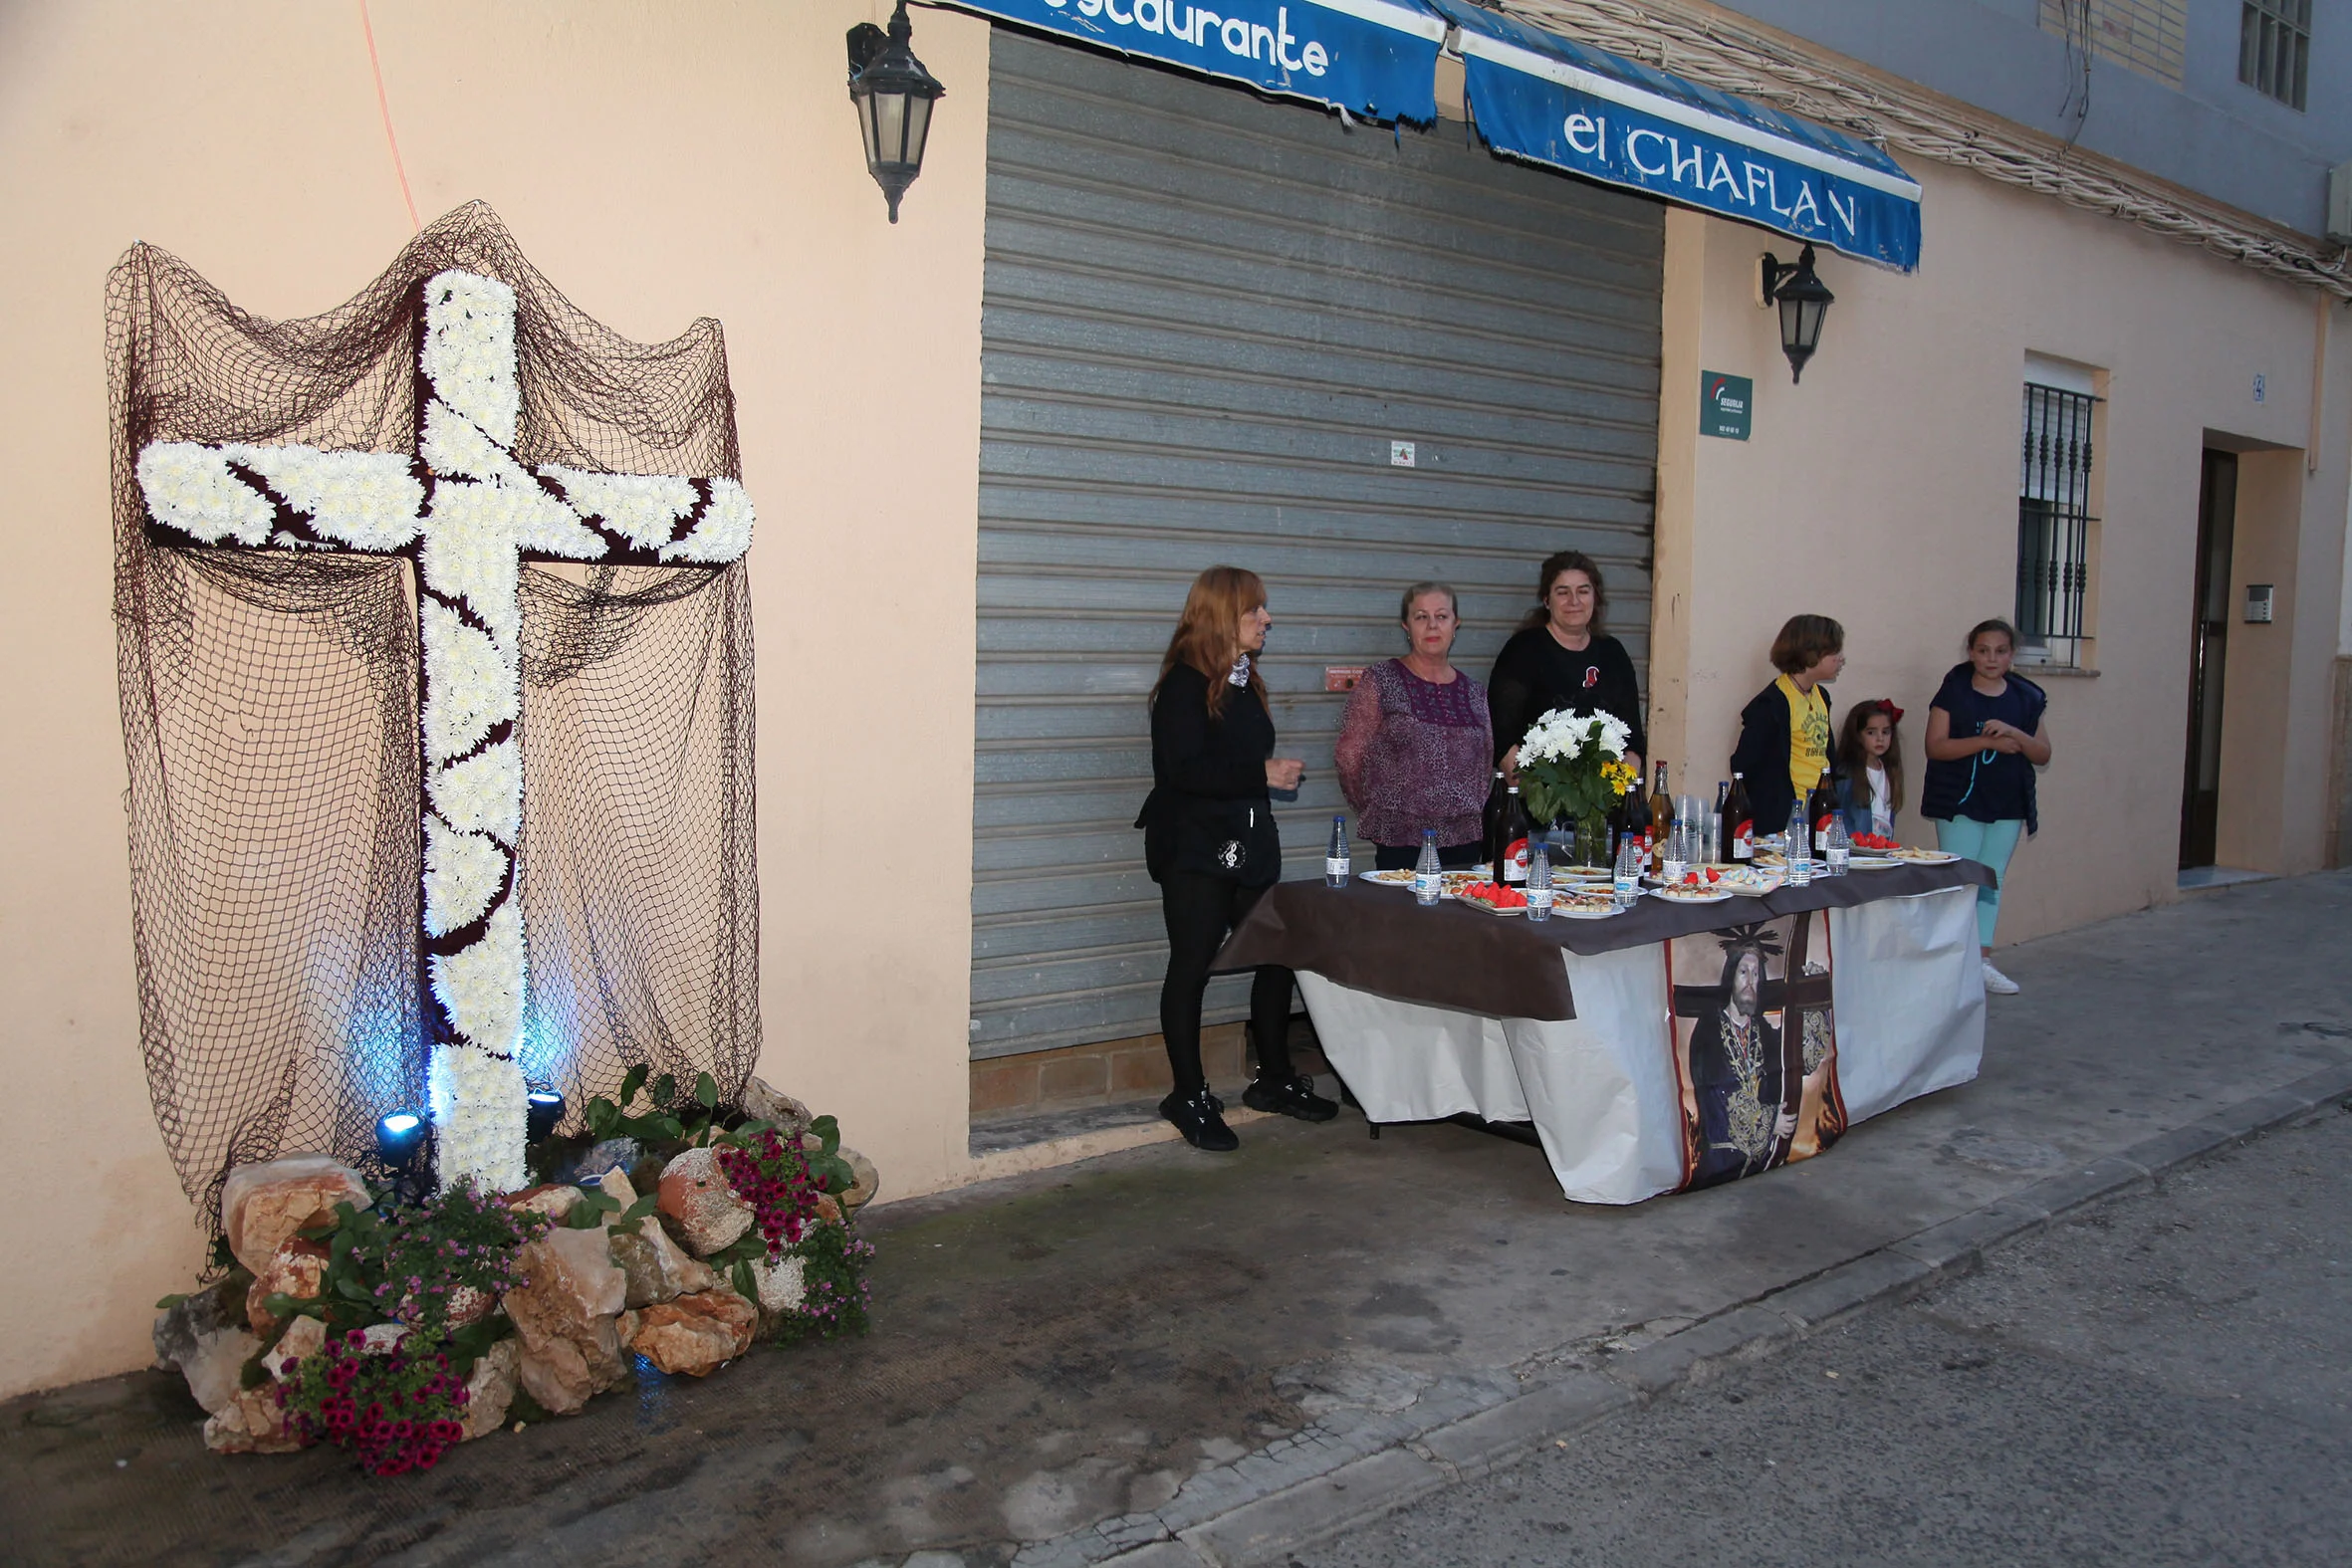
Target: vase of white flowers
1572, 766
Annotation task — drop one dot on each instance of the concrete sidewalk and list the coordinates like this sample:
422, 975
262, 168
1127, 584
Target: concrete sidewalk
1214, 1359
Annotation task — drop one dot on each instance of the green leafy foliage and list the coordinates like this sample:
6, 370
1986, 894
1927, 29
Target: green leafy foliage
669, 1118
595, 1205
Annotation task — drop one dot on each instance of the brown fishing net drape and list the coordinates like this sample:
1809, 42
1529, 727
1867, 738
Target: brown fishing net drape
269, 713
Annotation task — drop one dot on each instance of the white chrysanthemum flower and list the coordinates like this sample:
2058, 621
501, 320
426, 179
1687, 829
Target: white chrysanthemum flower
479, 1118
454, 447
481, 985
462, 874
482, 793
189, 487
469, 553
471, 684
469, 350
725, 530
641, 508
366, 500
540, 522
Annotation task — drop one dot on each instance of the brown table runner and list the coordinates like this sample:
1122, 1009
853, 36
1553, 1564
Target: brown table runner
1380, 940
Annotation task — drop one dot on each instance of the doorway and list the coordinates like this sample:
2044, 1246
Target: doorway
2216, 528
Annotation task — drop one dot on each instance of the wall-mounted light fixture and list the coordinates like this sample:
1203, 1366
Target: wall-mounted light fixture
1804, 302
894, 94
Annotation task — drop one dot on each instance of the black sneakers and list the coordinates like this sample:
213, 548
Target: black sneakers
1289, 1097
1197, 1117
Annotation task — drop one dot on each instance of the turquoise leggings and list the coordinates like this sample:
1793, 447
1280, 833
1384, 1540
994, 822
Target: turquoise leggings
1987, 843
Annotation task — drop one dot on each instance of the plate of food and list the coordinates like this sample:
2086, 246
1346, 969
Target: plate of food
1871, 862
1924, 857
1692, 893
1584, 906
1495, 899
1749, 881
1386, 878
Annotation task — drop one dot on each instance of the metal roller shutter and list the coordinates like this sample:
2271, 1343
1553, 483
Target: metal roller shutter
1206, 318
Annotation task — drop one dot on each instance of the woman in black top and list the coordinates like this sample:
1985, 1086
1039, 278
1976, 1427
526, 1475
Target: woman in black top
1209, 840
1560, 658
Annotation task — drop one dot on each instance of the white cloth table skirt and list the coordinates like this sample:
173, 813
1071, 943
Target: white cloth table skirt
1601, 1088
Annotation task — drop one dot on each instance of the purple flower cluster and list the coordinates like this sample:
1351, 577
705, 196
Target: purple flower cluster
449, 1258
398, 1410
774, 1179
835, 1296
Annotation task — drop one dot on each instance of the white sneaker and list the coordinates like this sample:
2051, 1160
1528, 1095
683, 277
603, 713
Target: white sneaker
1998, 983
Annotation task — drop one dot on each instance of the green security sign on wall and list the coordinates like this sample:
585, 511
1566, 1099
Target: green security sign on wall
1724, 404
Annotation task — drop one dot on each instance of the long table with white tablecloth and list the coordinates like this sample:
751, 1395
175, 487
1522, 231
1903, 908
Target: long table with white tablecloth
1662, 1054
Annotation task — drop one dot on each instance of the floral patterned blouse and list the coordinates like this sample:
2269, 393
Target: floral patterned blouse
1413, 755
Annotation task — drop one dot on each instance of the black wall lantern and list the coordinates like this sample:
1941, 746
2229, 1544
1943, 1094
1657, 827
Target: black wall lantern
894, 94
1804, 303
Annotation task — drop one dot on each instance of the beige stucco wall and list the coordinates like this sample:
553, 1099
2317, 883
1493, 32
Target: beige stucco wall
659, 161
1883, 491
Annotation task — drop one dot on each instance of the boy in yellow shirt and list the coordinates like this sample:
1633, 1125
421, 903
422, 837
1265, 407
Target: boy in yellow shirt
1784, 734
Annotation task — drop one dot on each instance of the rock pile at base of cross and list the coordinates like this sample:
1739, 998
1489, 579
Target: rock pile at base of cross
593, 1293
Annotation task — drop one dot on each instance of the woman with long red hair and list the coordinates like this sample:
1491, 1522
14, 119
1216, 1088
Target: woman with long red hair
1209, 840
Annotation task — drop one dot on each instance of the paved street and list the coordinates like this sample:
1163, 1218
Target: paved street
2167, 1379
1158, 1347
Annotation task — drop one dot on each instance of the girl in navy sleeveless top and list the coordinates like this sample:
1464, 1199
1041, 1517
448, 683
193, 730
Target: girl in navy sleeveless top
1987, 733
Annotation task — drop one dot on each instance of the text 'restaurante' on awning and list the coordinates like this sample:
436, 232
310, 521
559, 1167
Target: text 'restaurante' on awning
1377, 59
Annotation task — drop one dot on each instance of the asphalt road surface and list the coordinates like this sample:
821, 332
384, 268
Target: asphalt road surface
2161, 1380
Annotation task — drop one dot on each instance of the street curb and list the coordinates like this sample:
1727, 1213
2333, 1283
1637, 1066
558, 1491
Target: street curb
1263, 1528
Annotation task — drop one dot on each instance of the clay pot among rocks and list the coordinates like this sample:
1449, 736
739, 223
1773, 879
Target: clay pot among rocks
870, 1181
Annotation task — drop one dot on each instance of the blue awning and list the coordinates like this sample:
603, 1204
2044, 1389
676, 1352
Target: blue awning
1373, 58
1542, 97
1535, 94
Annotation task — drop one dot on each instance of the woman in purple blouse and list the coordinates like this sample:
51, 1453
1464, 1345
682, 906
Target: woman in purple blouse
1416, 744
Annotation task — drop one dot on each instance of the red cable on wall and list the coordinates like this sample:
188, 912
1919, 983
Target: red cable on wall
385, 106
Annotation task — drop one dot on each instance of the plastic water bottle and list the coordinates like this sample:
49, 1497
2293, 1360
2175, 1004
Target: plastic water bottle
1841, 844
1627, 885
1426, 880
1539, 879
1336, 854
1673, 861
1799, 850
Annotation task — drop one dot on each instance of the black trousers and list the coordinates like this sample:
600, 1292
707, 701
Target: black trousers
1199, 911
1400, 857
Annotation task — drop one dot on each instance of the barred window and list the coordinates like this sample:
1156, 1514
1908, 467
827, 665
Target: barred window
2275, 48
2146, 36
2054, 523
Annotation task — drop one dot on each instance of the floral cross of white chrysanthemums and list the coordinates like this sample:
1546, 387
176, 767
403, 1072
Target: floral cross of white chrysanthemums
469, 515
